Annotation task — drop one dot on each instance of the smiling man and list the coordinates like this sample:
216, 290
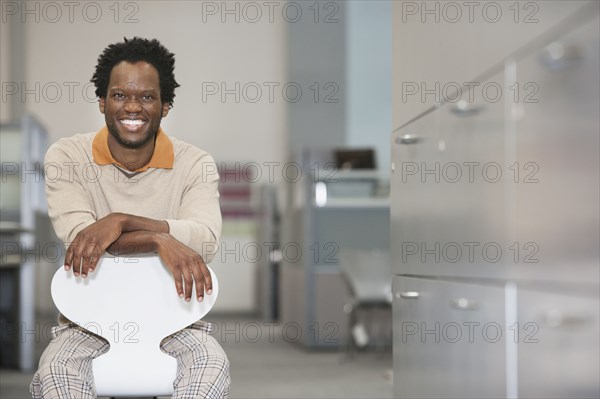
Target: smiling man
129, 188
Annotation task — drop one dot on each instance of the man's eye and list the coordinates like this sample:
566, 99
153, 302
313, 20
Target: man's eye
118, 96
148, 97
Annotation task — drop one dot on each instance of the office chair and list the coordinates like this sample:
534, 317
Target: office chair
368, 276
132, 303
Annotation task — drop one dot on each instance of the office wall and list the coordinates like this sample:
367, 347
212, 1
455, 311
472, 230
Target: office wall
369, 78
214, 50
315, 52
5, 70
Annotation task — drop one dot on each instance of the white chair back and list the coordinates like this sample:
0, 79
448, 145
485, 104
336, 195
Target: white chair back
131, 302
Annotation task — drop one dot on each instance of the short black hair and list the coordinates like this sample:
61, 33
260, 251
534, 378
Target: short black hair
135, 50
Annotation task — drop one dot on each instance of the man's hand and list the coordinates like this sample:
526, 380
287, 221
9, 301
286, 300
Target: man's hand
123, 234
186, 265
90, 243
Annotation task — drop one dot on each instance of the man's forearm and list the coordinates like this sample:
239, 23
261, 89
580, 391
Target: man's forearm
130, 223
145, 235
138, 235
135, 242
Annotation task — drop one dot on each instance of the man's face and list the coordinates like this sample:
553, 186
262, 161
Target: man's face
132, 107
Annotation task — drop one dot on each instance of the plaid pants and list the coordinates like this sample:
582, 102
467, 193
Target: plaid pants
65, 369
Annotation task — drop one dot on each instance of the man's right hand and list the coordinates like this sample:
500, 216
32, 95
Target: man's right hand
90, 243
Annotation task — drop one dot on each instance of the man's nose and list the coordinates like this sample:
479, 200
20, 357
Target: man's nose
132, 104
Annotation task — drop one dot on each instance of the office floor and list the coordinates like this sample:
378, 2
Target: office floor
264, 364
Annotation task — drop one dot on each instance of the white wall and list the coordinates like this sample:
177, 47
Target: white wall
210, 51
5, 106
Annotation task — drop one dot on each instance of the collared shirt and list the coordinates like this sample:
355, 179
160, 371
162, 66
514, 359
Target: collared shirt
162, 157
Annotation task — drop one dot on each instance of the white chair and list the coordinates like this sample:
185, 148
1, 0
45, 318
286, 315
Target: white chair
132, 302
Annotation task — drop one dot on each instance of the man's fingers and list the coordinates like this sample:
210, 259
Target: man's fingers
207, 279
90, 257
69, 257
81, 264
76, 261
189, 282
178, 284
86, 258
86, 265
73, 256
68, 261
199, 279
93, 264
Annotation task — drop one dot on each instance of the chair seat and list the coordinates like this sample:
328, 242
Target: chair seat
132, 303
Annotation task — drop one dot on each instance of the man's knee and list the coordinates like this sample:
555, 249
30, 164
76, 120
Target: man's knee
214, 358
221, 360
67, 360
51, 376
51, 372
62, 366
59, 379
217, 364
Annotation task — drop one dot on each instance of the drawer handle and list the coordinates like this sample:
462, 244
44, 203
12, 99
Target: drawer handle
557, 56
408, 139
464, 108
557, 319
464, 304
409, 294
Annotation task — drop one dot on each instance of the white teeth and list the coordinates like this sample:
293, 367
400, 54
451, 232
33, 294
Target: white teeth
135, 122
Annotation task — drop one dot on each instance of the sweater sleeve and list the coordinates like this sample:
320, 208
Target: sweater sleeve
69, 205
198, 221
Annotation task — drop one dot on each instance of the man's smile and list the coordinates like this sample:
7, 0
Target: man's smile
132, 125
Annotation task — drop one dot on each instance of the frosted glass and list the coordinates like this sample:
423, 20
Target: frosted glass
10, 144
10, 192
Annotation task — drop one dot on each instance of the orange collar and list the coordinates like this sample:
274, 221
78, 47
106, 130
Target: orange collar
162, 157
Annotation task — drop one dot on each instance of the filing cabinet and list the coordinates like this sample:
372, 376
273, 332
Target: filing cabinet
516, 247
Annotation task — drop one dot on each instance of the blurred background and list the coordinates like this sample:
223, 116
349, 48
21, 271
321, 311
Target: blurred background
409, 189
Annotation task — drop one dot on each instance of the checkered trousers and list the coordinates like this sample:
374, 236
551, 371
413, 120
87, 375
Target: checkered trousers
65, 369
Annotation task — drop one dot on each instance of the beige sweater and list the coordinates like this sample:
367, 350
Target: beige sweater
81, 191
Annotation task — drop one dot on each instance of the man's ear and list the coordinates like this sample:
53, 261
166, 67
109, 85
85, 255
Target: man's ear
102, 104
165, 109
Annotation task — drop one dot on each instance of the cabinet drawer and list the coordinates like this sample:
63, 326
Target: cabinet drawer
558, 347
449, 339
556, 211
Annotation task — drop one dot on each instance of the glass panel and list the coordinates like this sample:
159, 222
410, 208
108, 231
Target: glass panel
10, 192
10, 144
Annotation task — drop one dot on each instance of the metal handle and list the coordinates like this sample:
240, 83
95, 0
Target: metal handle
557, 56
408, 139
556, 319
464, 108
464, 304
408, 295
